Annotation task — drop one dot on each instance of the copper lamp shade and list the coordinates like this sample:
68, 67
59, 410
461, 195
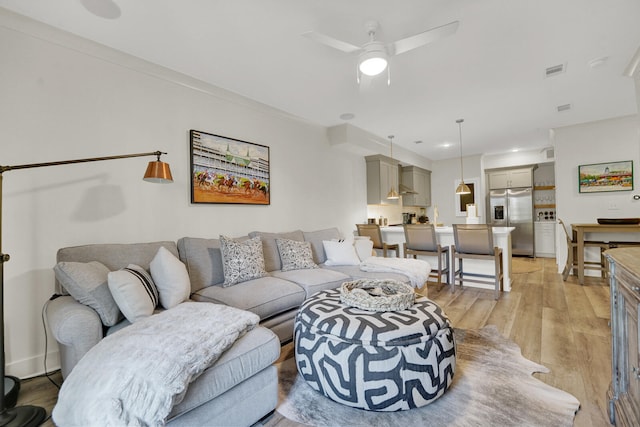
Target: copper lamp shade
158, 172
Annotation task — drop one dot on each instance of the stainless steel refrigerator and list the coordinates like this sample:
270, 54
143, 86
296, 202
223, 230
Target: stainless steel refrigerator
513, 207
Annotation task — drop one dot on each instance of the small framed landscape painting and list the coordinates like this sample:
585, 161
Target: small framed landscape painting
227, 170
599, 177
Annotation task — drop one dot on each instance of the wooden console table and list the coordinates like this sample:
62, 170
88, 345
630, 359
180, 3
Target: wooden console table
579, 231
624, 394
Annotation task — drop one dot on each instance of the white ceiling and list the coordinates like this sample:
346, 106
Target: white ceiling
491, 72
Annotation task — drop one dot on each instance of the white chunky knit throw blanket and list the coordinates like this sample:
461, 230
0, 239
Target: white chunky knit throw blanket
416, 270
135, 376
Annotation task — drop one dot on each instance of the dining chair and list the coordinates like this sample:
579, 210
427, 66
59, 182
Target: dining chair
421, 240
572, 263
475, 241
373, 232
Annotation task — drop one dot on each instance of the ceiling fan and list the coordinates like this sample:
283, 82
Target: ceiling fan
373, 55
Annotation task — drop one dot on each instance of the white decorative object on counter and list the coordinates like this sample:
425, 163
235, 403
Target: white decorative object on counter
472, 214
471, 210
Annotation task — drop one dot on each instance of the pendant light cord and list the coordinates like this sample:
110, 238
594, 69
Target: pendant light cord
459, 121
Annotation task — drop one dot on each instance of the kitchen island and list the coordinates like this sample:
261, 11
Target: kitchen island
501, 238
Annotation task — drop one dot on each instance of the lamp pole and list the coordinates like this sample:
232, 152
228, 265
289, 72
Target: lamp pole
27, 415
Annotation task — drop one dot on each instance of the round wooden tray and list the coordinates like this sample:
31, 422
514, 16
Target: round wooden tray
377, 295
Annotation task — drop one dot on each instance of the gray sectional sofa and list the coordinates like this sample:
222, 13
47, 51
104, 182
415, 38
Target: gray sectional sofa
241, 387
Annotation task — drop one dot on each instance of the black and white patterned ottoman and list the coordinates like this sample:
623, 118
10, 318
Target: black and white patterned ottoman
386, 361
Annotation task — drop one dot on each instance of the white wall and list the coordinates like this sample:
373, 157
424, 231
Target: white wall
444, 179
596, 142
65, 98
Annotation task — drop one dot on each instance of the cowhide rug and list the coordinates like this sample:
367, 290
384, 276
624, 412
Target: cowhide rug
492, 386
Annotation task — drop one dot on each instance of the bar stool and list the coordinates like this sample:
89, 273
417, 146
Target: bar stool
373, 232
475, 241
420, 239
572, 247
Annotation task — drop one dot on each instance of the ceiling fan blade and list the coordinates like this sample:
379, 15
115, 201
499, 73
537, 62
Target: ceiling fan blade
331, 42
421, 39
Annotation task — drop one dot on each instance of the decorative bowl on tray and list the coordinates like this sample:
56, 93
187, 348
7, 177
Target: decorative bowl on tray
619, 221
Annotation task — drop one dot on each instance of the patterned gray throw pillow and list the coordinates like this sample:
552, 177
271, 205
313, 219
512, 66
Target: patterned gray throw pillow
295, 255
241, 261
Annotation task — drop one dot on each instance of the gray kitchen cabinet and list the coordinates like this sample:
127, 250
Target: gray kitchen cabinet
510, 178
624, 393
382, 175
419, 180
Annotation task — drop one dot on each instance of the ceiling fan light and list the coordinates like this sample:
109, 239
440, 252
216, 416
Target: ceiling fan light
372, 63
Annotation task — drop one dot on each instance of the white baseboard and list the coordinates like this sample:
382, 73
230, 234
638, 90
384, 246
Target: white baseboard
34, 366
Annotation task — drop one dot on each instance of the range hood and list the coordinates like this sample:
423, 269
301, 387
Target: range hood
403, 189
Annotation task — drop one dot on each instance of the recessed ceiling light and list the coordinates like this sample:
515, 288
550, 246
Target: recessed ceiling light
446, 145
596, 62
107, 9
515, 150
347, 116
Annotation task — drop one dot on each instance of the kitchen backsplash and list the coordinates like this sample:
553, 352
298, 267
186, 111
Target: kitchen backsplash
393, 213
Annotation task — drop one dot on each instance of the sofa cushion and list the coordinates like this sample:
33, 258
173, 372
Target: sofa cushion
241, 260
295, 255
266, 296
270, 249
250, 354
203, 260
171, 278
115, 255
313, 281
134, 292
87, 283
315, 238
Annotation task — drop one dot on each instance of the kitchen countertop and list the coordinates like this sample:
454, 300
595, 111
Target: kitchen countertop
501, 237
447, 229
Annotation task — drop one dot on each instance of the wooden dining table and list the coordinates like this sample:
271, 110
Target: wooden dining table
580, 230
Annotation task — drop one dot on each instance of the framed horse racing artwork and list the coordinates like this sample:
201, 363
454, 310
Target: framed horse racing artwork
227, 170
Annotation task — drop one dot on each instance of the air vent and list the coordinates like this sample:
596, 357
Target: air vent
555, 70
550, 153
564, 107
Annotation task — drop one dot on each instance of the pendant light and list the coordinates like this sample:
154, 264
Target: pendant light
462, 187
392, 194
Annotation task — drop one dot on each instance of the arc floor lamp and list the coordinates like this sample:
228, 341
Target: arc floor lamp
28, 415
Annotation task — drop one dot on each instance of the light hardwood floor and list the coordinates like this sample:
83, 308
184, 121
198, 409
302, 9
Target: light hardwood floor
561, 325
